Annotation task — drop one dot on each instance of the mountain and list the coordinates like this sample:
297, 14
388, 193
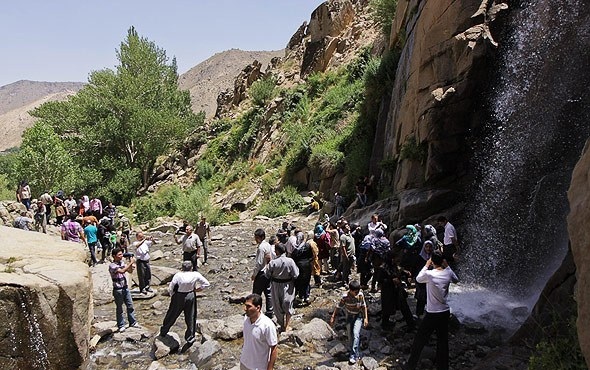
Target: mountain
18, 98
209, 78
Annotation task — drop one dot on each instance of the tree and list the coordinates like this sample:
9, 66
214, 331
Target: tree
124, 119
44, 161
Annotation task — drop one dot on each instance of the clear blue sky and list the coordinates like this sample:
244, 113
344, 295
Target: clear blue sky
64, 40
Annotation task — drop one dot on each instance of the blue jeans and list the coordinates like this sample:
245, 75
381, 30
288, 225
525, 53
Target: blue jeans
124, 296
353, 330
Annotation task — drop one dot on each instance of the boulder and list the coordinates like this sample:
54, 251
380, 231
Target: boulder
156, 255
204, 353
163, 346
162, 275
45, 290
316, 330
228, 328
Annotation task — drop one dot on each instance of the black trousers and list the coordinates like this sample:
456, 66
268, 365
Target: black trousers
262, 285
191, 256
438, 322
181, 302
144, 274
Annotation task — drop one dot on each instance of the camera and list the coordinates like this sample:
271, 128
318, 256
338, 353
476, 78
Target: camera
128, 255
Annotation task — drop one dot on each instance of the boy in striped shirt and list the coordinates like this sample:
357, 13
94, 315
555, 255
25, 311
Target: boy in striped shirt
353, 303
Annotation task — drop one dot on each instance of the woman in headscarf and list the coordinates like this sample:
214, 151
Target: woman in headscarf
322, 239
430, 234
410, 244
303, 256
420, 293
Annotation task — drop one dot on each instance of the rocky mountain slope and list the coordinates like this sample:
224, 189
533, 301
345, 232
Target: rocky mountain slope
208, 79
18, 98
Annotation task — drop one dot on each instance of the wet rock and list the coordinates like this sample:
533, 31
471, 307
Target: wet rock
369, 363
156, 255
132, 334
474, 328
163, 346
337, 350
315, 330
228, 328
105, 325
204, 353
137, 296
521, 312
217, 237
162, 275
155, 365
238, 298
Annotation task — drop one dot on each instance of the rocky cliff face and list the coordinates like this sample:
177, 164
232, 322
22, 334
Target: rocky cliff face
579, 198
45, 300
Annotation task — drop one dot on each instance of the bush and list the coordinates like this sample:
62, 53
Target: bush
161, 203
413, 151
282, 202
561, 351
205, 170
7, 190
326, 159
383, 13
262, 91
194, 202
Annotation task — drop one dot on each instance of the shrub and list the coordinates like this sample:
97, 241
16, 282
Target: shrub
326, 158
262, 91
205, 170
161, 203
383, 13
258, 170
281, 203
7, 190
561, 351
194, 202
413, 151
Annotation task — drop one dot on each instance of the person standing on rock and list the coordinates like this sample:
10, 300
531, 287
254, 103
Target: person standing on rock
437, 282
124, 226
450, 241
282, 272
23, 194
204, 232
261, 284
260, 337
121, 292
142, 254
191, 246
182, 288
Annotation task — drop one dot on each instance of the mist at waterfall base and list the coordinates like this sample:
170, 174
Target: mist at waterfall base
515, 230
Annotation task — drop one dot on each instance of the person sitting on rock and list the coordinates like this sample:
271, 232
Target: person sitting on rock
23, 222
182, 288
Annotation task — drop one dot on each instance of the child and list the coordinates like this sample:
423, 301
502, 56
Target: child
355, 308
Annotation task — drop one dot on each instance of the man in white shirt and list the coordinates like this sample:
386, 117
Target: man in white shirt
142, 257
182, 290
191, 246
376, 224
450, 241
438, 311
260, 337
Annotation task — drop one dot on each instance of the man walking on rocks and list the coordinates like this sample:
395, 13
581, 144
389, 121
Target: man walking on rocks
261, 284
260, 337
282, 273
191, 246
121, 293
182, 288
204, 232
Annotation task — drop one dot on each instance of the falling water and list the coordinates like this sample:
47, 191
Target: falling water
516, 233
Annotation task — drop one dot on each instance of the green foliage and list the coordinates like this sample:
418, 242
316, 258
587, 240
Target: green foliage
205, 170
559, 352
389, 165
7, 190
163, 202
262, 91
44, 160
194, 202
413, 151
383, 13
258, 170
282, 202
127, 117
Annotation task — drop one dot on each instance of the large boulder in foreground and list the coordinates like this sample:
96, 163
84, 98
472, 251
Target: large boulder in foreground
578, 224
45, 300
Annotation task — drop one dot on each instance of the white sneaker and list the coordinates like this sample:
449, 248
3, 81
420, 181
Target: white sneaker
122, 329
352, 360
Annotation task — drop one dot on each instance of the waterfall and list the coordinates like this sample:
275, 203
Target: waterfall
516, 231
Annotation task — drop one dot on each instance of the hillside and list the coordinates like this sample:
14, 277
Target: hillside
209, 78
18, 98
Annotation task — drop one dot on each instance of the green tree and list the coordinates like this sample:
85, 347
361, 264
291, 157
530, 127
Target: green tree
44, 161
124, 119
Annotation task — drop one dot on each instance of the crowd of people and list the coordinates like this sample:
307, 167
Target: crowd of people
286, 265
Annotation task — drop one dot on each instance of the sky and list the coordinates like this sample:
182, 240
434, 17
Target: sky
64, 40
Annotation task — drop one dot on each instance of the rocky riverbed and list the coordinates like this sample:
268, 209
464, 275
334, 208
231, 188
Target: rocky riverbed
312, 344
